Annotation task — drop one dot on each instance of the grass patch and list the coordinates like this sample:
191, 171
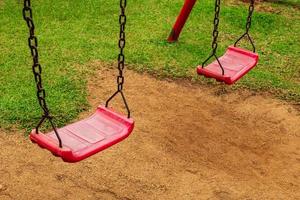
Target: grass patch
73, 33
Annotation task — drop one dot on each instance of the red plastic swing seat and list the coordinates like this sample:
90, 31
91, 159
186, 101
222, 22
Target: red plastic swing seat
87, 137
236, 62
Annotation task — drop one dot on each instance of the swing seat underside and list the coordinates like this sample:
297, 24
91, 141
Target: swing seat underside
87, 137
236, 62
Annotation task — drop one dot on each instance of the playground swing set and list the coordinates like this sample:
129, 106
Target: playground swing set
236, 62
106, 127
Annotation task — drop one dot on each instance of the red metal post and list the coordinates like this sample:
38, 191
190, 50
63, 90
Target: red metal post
181, 20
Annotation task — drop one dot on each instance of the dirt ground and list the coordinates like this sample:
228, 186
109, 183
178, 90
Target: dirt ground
190, 142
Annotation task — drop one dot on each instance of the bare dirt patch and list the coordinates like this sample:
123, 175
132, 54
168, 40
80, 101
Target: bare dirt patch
190, 142
268, 6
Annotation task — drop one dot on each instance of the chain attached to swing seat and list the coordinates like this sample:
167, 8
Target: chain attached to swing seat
215, 36
121, 57
248, 26
216, 32
37, 69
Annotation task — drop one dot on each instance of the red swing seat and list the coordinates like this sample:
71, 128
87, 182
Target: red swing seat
86, 137
236, 62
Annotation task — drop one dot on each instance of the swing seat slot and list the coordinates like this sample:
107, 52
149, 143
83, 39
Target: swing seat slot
86, 137
236, 62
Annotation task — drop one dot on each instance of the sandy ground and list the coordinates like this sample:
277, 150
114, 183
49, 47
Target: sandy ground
190, 142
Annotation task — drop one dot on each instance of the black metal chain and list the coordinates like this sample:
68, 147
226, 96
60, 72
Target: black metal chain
37, 68
122, 42
216, 25
215, 35
121, 57
248, 25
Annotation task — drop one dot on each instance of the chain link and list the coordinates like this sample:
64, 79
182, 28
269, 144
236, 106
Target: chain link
122, 43
121, 57
216, 32
250, 14
216, 26
37, 68
248, 25
215, 35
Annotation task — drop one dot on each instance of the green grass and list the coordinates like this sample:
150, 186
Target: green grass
72, 33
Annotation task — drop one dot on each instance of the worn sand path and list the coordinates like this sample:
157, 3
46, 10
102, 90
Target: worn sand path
190, 142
